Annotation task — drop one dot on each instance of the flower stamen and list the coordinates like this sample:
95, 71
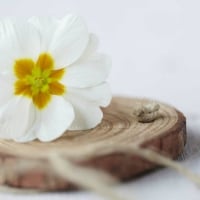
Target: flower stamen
38, 80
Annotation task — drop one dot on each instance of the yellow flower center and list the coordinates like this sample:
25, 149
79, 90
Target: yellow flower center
38, 80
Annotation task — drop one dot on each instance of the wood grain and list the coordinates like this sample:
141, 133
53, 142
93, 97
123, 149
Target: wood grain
167, 135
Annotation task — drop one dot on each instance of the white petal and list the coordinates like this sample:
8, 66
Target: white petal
69, 41
21, 40
16, 118
7, 88
91, 47
87, 114
30, 136
99, 95
6, 27
55, 119
8, 48
31, 133
28, 39
46, 27
89, 72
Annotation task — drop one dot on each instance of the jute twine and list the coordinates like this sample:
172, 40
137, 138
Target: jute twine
98, 181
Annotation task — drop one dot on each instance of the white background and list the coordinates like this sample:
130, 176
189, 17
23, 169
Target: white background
155, 48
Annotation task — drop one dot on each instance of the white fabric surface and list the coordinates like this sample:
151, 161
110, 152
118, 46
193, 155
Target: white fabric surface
155, 48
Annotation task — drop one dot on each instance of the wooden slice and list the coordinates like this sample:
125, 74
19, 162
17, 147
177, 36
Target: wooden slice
119, 126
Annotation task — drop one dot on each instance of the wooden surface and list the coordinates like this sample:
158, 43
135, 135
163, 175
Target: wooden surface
167, 134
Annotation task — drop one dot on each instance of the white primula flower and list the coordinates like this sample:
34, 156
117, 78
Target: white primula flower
51, 77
